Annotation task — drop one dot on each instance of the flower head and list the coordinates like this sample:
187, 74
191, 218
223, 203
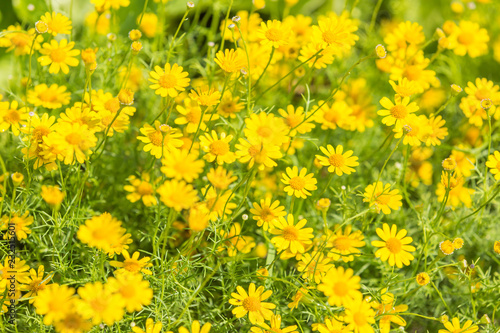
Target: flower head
297, 183
394, 246
59, 56
252, 303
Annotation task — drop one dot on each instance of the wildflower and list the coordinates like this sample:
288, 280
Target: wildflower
229, 105
273, 33
449, 164
394, 246
296, 121
404, 87
396, 114
134, 291
267, 213
496, 247
298, 184
230, 61
336, 32
59, 56
134, 34
52, 195
456, 89
275, 326
149, 24
53, 302
52, 97
493, 164
20, 223
73, 321
235, 242
37, 282
423, 279
160, 139
217, 149
458, 243
359, 315
191, 115
20, 41
99, 303
151, 327
266, 128
181, 164
73, 140
17, 178
132, 264
337, 161
103, 232
447, 247
256, 152
291, 236
262, 273
252, 303
57, 23
220, 178
314, 266
464, 162
219, 204
12, 117
41, 27
382, 197
205, 96
344, 244
199, 216
478, 91
177, 194
195, 325
458, 194
141, 189
436, 131
389, 312
316, 56
340, 286
380, 51
468, 38
323, 204
454, 326
297, 298
168, 81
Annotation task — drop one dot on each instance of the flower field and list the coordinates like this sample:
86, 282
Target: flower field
283, 166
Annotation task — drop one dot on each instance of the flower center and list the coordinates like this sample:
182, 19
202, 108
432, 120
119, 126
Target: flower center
132, 267
193, 117
466, 38
336, 160
168, 81
48, 96
266, 215
112, 105
72, 322
290, 233
156, 138
219, 147
144, 189
359, 319
228, 107
399, 111
297, 183
292, 120
12, 116
340, 288
412, 73
58, 55
329, 37
98, 304
331, 116
251, 304
394, 245
273, 34
342, 243
73, 139
265, 131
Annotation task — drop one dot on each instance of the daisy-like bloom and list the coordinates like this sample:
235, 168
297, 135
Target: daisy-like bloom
168, 81
54, 302
57, 23
102, 232
447, 247
132, 265
458, 193
230, 105
335, 32
423, 278
314, 266
404, 87
454, 326
181, 164
160, 139
59, 56
73, 140
177, 194
359, 315
17, 39
52, 195
344, 244
436, 131
252, 303
99, 303
199, 217
135, 291
338, 114
267, 213
102, 5
141, 189
332, 325
321, 60
396, 114
382, 197
291, 236
477, 91
196, 328
37, 282
12, 117
275, 326
220, 178
151, 327
217, 149
20, 223
38, 127
273, 33
417, 130
256, 152
17, 269
235, 242
205, 96
190, 115
388, 312
80, 114
493, 164
301, 293
340, 285
266, 128
405, 35
53, 97
464, 162
394, 246
337, 161
219, 204
230, 60
294, 119
298, 184
468, 38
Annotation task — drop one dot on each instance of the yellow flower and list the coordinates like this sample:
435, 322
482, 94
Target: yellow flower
191, 114
219, 204
181, 164
447, 247
53, 195
423, 278
454, 326
273, 33
149, 24
72, 321
196, 328
314, 266
266, 128
132, 265
335, 32
394, 246
54, 302
37, 282
296, 121
458, 194
177, 194
107, 4
407, 35
267, 213
57, 23
230, 105
382, 197
12, 117
19, 40
344, 244
252, 303
340, 286
168, 81
275, 326
230, 60
322, 58
496, 247
19, 223
74, 141
235, 242
53, 97
199, 216
298, 184
468, 38
103, 232
297, 298
135, 291
404, 87
458, 243
359, 315
481, 89
59, 56
161, 139
99, 303
205, 96
436, 131
388, 312
337, 161
141, 188
493, 164
151, 327
396, 114
220, 178
217, 149
291, 236
257, 153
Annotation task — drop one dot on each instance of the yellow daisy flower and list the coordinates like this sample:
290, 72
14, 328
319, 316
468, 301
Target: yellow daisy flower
454, 326
336, 32
275, 326
267, 213
220, 178
12, 117
20, 223
314, 266
151, 327
160, 139
252, 303
168, 81
141, 189
257, 153
394, 246
359, 315
54, 302
177, 194
190, 115
196, 328
181, 164
37, 283
132, 264
230, 105
344, 244
468, 38
293, 117
53, 97
98, 303
337, 161
298, 184
135, 291
396, 114
102, 232
59, 56
266, 128
340, 285
382, 197
230, 60
217, 149
57, 23
205, 96
493, 164
291, 236
273, 33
